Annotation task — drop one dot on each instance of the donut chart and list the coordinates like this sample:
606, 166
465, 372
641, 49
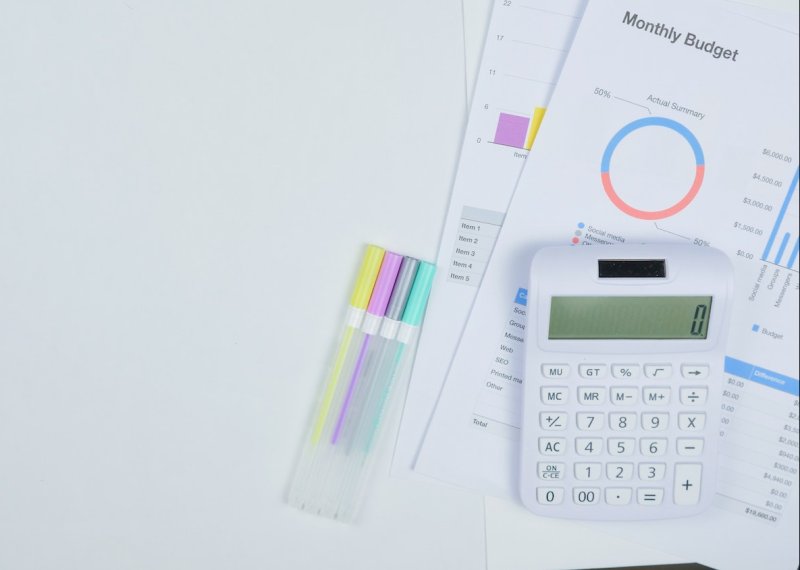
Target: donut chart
605, 168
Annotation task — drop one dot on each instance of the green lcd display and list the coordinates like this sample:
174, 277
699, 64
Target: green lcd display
584, 318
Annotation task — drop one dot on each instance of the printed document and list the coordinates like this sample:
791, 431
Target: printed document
672, 121
524, 52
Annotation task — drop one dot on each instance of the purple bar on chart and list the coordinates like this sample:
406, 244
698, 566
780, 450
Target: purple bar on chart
511, 130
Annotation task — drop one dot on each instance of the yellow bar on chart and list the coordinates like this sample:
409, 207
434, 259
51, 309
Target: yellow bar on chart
536, 121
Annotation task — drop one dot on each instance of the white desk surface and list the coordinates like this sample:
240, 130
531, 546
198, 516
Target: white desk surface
185, 192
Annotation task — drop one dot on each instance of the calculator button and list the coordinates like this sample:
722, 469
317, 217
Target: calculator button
652, 471
554, 395
624, 396
650, 496
694, 396
590, 421
585, 496
589, 446
622, 422
655, 422
552, 445
619, 471
653, 447
553, 421
695, 371
621, 446
625, 371
689, 447
550, 471
549, 495
592, 370
656, 396
691, 421
618, 496
658, 371
591, 396
687, 483
588, 471
555, 370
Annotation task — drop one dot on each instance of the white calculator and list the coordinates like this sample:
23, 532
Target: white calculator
623, 380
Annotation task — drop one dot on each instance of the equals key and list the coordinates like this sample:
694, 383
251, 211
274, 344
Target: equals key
650, 496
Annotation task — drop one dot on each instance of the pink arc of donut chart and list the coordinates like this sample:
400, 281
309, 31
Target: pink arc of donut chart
605, 166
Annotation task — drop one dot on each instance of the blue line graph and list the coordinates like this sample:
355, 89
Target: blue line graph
786, 229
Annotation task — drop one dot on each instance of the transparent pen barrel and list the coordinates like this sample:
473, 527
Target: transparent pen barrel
317, 451
390, 376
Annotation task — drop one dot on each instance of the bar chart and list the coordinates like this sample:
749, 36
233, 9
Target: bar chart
518, 131
782, 246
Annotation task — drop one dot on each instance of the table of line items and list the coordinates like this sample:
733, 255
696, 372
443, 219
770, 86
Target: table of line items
477, 231
759, 452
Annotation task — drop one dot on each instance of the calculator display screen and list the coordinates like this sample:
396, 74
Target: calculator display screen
579, 318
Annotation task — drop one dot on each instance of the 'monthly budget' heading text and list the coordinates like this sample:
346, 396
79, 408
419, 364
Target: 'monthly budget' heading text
674, 36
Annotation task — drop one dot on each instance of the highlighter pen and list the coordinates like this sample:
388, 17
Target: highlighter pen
335, 479
394, 363
387, 332
325, 461
372, 322
365, 282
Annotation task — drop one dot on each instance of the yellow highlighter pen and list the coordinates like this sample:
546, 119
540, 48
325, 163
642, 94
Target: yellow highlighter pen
324, 414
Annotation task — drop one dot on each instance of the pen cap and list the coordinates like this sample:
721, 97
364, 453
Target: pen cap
418, 299
402, 288
385, 283
365, 282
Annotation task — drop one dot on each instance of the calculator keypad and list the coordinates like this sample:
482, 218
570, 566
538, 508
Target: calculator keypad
628, 427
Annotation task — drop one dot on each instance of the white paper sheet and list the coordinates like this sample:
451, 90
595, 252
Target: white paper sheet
526, 44
476, 14
744, 115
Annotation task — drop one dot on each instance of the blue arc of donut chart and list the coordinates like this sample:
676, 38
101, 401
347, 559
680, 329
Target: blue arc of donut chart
605, 168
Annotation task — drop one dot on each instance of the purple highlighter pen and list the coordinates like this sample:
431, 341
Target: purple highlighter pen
372, 323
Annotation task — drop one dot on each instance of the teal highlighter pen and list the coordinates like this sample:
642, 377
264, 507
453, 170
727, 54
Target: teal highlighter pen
394, 363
